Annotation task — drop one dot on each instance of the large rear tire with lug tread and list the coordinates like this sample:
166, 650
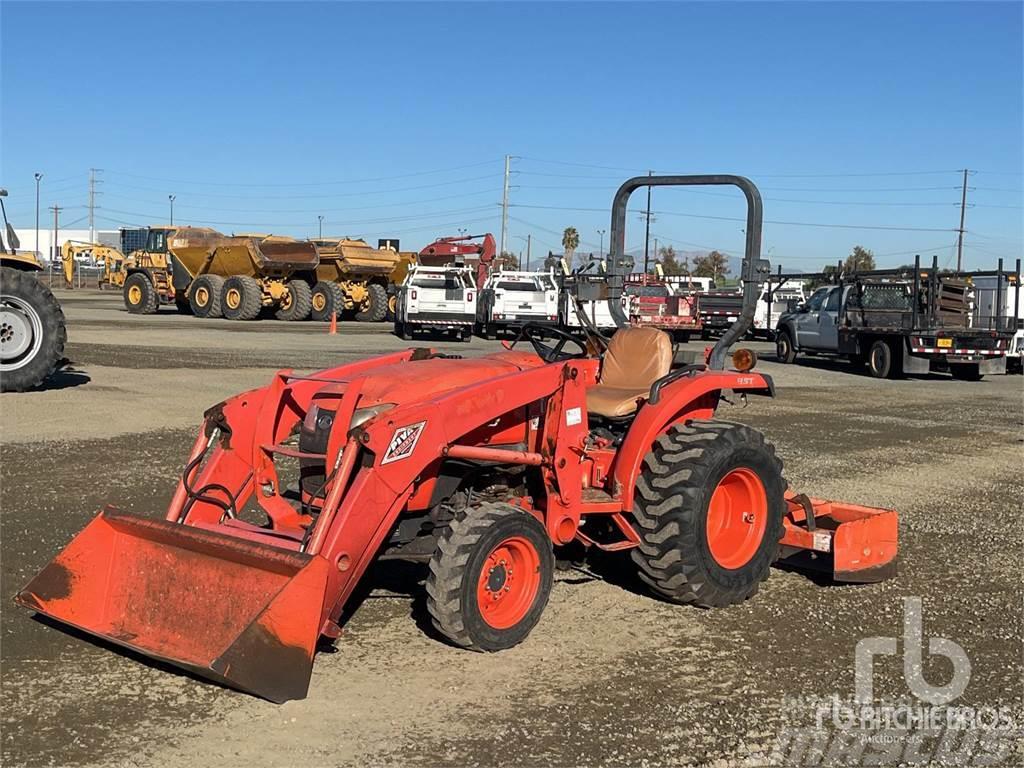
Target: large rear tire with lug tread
785, 352
709, 505
375, 308
241, 298
204, 295
140, 295
297, 303
32, 331
327, 300
490, 577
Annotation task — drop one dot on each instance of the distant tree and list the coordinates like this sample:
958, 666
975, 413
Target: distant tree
669, 263
509, 260
570, 242
714, 265
828, 278
860, 260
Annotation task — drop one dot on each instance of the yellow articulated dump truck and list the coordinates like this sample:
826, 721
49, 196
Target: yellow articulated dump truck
236, 277
353, 279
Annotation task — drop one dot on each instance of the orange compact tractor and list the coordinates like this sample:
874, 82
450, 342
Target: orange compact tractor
484, 467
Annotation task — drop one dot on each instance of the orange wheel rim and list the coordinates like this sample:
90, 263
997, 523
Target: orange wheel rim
737, 518
509, 582
233, 298
319, 302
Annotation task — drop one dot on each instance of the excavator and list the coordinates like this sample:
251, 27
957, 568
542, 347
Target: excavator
112, 260
445, 250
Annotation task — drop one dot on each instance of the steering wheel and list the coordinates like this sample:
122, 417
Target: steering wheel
537, 334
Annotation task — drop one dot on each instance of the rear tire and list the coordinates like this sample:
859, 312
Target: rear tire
785, 351
327, 300
140, 295
298, 303
32, 331
490, 577
376, 307
241, 298
204, 295
403, 331
966, 372
882, 360
697, 487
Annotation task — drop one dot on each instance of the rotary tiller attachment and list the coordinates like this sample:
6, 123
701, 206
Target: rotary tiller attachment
236, 611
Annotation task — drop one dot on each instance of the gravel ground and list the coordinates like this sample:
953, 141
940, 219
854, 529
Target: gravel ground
609, 677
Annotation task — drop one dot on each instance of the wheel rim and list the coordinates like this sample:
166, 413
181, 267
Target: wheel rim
392, 303
509, 582
737, 518
202, 296
233, 298
135, 295
21, 333
782, 348
319, 302
877, 358
286, 299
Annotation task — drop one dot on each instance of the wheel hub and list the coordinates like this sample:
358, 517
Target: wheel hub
509, 582
233, 298
21, 333
319, 302
737, 518
134, 294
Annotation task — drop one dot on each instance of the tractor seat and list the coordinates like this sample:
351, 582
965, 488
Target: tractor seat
634, 360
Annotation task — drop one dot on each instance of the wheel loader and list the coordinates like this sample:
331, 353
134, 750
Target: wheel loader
482, 468
32, 328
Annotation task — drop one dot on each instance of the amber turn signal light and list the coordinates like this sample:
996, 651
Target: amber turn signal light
744, 359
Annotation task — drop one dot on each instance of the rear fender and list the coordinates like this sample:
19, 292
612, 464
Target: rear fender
692, 397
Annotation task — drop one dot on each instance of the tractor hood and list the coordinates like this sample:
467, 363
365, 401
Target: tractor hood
407, 382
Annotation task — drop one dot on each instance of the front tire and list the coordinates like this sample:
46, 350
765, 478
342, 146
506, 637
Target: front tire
32, 331
140, 295
297, 303
490, 577
785, 351
709, 506
375, 307
327, 301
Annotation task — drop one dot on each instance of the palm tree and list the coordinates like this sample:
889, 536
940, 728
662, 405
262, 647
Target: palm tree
570, 242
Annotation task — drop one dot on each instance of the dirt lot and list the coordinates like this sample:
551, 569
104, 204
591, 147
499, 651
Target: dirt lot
609, 677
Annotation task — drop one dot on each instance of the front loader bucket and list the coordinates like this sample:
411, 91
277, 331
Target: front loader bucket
237, 611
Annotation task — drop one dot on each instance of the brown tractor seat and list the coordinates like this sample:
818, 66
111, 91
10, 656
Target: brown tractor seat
634, 360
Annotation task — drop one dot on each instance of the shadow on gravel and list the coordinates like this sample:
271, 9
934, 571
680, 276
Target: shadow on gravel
837, 365
66, 378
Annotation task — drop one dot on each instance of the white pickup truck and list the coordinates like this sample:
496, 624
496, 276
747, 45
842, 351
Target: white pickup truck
986, 310
437, 299
510, 299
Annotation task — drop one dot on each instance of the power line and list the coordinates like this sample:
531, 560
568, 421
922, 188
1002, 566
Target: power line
308, 183
733, 218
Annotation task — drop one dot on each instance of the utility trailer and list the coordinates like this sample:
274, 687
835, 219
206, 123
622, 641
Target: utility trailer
901, 321
510, 299
437, 299
719, 309
671, 304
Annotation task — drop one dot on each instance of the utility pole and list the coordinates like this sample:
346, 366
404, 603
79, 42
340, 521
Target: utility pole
529, 237
960, 238
92, 203
56, 227
320, 221
38, 177
504, 205
171, 199
656, 250
601, 233
647, 234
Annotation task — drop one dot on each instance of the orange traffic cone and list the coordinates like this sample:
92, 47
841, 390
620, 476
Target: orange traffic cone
334, 324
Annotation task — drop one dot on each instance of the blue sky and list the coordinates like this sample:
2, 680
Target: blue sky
392, 119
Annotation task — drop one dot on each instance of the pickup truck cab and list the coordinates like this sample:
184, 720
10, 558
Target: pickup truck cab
437, 299
510, 299
885, 325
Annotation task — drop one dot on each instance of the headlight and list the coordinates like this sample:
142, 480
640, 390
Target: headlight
362, 415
